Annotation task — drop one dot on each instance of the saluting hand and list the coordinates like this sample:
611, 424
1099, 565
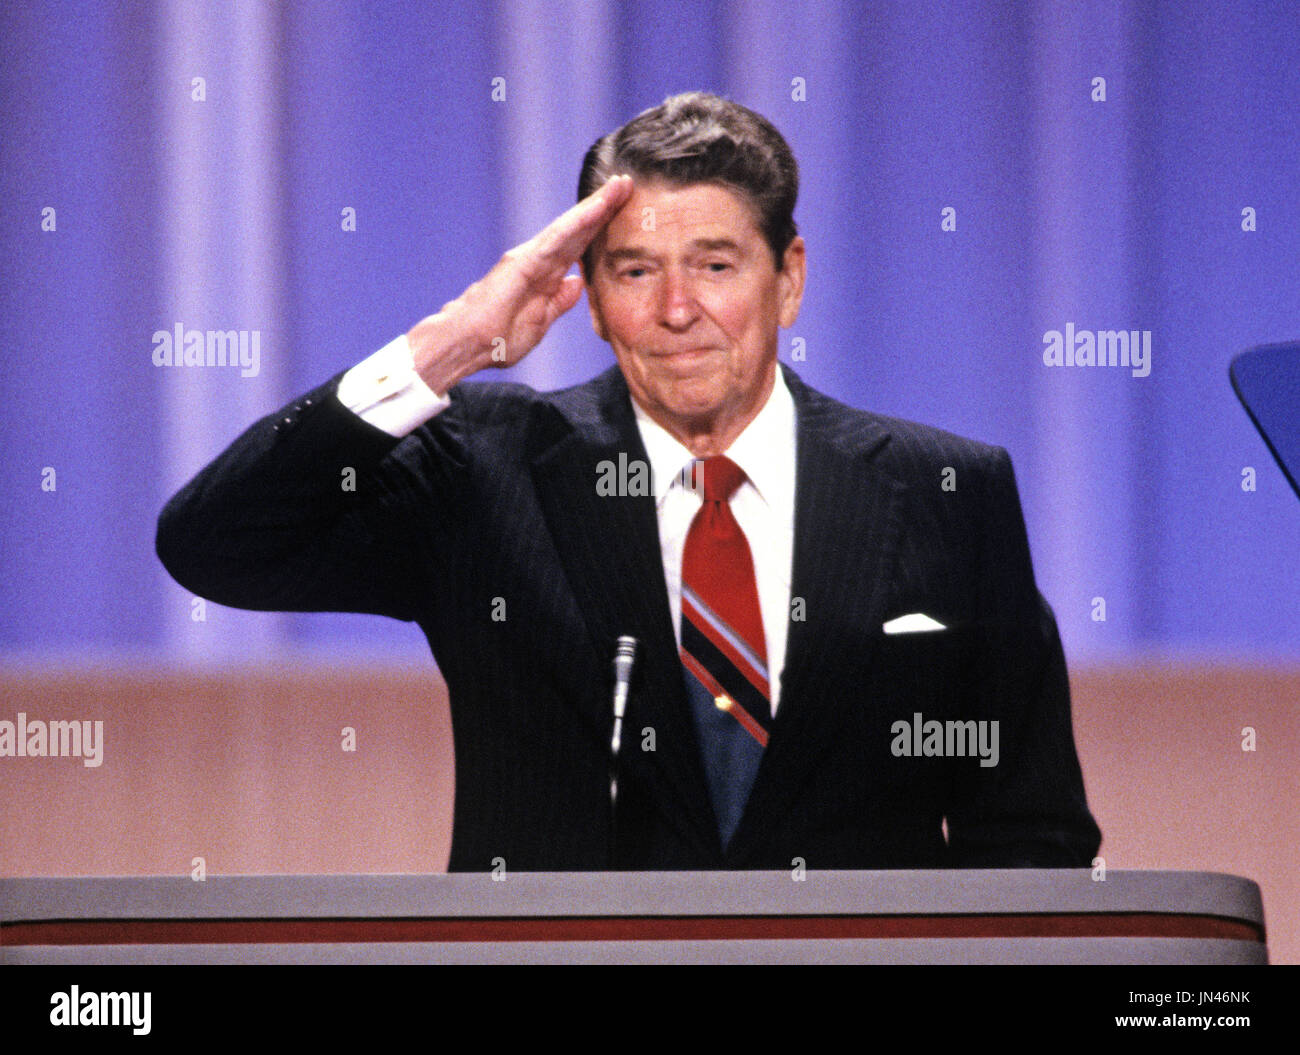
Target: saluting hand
501, 317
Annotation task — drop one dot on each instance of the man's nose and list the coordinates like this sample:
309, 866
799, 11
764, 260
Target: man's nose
678, 307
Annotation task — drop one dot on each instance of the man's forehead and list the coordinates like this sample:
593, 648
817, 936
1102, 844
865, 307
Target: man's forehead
701, 211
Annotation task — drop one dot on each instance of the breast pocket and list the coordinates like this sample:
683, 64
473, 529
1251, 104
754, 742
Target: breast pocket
917, 682
926, 671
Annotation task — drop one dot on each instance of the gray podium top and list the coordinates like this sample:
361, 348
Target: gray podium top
1152, 918
523, 894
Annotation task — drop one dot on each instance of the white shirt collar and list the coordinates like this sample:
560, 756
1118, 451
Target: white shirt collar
764, 450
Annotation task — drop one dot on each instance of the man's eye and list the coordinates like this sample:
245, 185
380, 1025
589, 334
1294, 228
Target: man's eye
718, 266
633, 272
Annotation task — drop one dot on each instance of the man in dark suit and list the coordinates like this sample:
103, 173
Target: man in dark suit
844, 661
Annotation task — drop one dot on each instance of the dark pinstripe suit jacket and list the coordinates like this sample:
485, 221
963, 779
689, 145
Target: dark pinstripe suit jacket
491, 509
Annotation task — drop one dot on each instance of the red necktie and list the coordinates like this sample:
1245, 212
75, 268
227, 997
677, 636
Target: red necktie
723, 647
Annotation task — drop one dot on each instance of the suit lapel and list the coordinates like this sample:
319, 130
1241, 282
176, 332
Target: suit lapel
847, 524
609, 546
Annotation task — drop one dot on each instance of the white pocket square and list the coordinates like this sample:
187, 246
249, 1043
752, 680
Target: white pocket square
915, 623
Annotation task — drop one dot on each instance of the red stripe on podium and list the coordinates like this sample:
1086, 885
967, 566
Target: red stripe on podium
637, 928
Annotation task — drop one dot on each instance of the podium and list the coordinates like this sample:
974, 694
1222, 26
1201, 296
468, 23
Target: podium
1030, 916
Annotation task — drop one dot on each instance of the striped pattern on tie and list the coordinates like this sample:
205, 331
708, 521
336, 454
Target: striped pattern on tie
723, 649
734, 675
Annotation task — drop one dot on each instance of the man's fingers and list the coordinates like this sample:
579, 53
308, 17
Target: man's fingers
565, 298
528, 289
563, 241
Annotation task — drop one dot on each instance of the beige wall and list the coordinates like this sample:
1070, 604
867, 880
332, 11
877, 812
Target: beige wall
1171, 787
246, 770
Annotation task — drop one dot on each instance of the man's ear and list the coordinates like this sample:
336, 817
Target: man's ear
794, 268
593, 305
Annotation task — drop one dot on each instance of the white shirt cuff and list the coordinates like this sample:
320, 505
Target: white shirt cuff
385, 391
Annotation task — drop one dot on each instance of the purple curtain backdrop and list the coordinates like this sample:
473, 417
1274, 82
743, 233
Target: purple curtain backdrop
228, 212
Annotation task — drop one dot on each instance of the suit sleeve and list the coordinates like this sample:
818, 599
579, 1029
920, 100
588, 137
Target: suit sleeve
1028, 810
310, 509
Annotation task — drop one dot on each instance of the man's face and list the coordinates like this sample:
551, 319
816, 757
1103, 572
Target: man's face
685, 290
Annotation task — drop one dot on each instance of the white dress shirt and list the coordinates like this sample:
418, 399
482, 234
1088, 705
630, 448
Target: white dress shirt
386, 391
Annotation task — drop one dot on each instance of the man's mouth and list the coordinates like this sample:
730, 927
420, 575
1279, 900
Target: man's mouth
684, 353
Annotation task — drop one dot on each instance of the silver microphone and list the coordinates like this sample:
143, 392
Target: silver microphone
624, 659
